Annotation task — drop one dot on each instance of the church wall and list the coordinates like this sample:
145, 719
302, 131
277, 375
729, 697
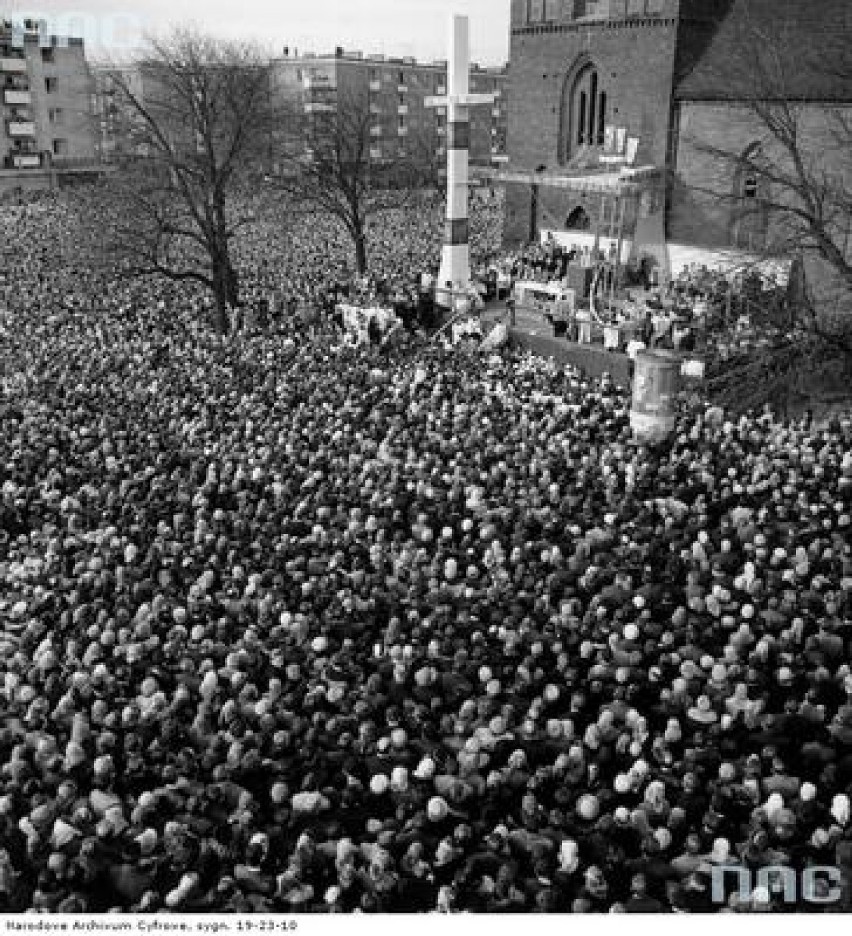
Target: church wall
516, 220
701, 212
635, 62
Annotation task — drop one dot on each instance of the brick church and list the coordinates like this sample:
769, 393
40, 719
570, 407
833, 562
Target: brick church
613, 101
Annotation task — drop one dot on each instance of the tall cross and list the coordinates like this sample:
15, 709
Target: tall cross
454, 278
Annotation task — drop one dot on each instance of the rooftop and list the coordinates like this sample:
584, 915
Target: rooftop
371, 60
774, 49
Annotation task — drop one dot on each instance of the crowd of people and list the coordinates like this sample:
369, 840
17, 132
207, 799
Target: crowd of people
340, 629
301, 261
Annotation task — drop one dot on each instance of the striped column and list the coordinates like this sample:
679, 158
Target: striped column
454, 277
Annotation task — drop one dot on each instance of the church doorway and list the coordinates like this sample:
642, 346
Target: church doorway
578, 220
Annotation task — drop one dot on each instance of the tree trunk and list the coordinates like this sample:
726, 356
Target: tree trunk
233, 283
221, 321
360, 240
222, 290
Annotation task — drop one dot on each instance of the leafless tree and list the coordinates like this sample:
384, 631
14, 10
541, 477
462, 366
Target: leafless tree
791, 198
326, 162
202, 114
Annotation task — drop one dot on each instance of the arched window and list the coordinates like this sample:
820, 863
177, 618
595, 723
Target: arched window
578, 220
593, 97
750, 215
581, 122
584, 111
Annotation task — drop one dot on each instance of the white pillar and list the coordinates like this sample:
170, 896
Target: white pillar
455, 256
454, 276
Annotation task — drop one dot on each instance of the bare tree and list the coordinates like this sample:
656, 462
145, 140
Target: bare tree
202, 113
327, 163
783, 180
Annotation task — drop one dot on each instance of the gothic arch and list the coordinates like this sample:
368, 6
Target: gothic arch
578, 220
750, 216
583, 108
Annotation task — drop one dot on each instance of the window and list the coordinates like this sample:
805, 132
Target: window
48, 55
535, 11
50, 85
750, 217
54, 115
581, 123
60, 147
593, 104
578, 220
584, 112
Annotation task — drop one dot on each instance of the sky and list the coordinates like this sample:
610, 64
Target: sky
390, 27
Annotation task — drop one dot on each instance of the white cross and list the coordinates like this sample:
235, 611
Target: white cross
458, 73
455, 258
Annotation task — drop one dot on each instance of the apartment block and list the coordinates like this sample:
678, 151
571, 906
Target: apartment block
47, 95
393, 91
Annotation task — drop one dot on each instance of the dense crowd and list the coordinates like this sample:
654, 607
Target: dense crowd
305, 259
343, 629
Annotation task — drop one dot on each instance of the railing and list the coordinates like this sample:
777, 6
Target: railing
21, 128
317, 108
14, 66
74, 162
402, 109
15, 97
22, 161
318, 83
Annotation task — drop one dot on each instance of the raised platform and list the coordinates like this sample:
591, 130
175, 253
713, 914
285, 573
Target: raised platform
533, 332
592, 360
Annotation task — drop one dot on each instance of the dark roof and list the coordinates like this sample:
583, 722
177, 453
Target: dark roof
768, 49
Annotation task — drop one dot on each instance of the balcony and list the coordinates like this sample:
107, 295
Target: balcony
402, 110
403, 131
495, 112
375, 131
402, 88
318, 83
375, 86
442, 90
13, 66
375, 152
21, 128
17, 98
24, 161
317, 108
375, 109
